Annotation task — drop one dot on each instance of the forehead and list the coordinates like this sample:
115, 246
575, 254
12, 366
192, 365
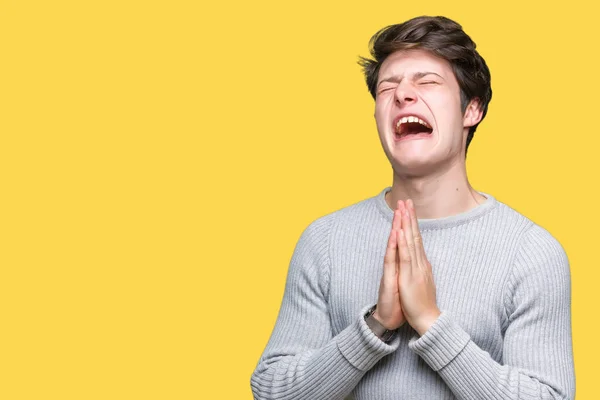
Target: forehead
406, 62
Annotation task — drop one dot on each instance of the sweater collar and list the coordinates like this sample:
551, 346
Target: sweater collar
444, 222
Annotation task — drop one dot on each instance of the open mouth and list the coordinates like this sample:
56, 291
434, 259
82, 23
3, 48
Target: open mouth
412, 125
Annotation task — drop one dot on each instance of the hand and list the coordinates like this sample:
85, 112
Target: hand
417, 289
388, 311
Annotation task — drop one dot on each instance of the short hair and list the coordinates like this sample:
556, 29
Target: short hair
444, 38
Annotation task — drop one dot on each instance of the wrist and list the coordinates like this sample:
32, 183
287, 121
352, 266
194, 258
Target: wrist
373, 321
378, 317
425, 322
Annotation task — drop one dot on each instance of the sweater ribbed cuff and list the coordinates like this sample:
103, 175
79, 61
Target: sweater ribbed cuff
443, 341
361, 347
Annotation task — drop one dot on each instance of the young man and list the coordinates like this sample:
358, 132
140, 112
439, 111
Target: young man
430, 289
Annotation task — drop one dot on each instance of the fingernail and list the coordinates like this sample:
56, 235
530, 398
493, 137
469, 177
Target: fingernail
410, 203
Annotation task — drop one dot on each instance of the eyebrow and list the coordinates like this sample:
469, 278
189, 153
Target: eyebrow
416, 76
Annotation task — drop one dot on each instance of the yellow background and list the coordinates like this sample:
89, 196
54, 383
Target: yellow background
159, 160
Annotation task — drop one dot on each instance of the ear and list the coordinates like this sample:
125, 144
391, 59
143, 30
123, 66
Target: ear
473, 113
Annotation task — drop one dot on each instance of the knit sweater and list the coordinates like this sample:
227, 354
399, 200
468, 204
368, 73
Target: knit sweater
503, 288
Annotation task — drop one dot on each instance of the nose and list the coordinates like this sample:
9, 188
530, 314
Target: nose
405, 93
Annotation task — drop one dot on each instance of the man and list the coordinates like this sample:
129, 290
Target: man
430, 289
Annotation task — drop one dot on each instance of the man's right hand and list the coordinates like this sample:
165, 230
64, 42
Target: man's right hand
388, 311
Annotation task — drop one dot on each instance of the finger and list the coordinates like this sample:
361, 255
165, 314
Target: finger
410, 244
397, 226
405, 261
416, 233
390, 259
400, 211
397, 222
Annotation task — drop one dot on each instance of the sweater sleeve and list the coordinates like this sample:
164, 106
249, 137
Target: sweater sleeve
302, 359
537, 351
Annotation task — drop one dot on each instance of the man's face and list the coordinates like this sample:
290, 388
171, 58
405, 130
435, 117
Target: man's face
418, 113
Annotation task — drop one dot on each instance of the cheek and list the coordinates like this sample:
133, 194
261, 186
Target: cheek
380, 104
445, 111
380, 115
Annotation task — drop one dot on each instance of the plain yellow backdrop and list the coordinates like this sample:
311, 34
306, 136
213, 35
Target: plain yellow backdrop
159, 160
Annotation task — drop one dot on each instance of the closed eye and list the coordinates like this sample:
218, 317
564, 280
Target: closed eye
386, 89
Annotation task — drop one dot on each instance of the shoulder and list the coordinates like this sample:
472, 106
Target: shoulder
311, 259
541, 252
540, 266
536, 245
509, 216
532, 238
540, 271
537, 252
333, 227
353, 215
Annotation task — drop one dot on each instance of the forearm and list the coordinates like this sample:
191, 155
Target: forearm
471, 373
322, 374
329, 372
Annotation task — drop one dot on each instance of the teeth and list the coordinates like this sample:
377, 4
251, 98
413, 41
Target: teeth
404, 120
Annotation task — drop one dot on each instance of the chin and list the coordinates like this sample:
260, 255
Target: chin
415, 164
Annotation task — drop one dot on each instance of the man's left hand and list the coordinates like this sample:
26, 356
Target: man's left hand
417, 289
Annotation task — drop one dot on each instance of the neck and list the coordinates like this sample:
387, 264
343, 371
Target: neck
436, 195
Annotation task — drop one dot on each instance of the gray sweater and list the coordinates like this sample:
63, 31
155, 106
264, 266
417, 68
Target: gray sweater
503, 287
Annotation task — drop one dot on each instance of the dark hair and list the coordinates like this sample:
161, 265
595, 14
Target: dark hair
444, 38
